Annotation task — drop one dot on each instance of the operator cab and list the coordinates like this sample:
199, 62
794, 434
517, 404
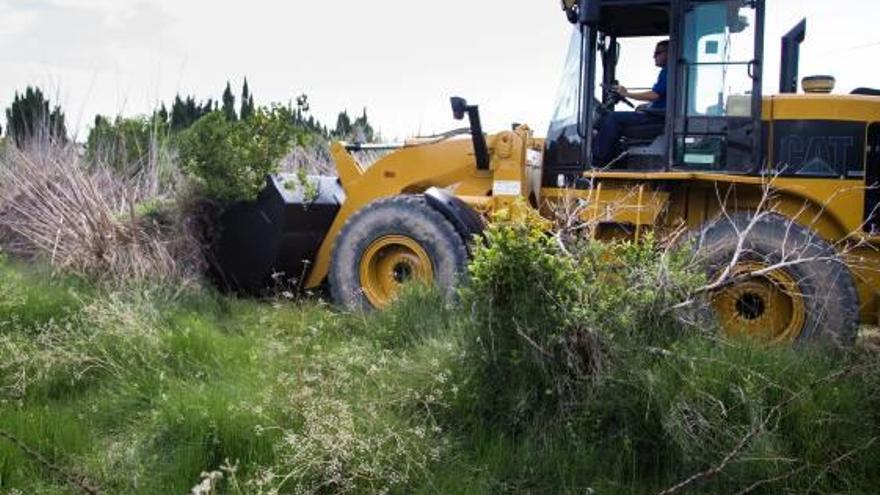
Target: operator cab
712, 117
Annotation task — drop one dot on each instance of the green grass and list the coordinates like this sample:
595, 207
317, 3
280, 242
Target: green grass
141, 395
30, 297
57, 431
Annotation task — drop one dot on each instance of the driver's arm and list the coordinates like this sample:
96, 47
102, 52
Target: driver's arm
648, 96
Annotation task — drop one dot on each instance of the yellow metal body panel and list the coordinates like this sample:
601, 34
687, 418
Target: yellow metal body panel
447, 164
794, 197
408, 170
822, 107
667, 201
627, 202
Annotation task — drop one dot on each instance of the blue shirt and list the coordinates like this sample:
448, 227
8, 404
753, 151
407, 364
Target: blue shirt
660, 89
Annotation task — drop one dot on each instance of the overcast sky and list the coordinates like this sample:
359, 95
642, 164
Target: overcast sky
400, 60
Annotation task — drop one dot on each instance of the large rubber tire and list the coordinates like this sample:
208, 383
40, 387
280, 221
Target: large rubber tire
403, 228
810, 301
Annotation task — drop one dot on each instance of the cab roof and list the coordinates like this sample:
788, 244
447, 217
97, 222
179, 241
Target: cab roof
629, 20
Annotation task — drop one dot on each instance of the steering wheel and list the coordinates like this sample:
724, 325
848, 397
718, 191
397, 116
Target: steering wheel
602, 109
614, 98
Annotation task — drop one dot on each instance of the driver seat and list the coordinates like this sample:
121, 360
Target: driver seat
647, 131
642, 145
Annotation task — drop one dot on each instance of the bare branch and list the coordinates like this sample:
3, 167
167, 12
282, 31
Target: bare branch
772, 416
758, 484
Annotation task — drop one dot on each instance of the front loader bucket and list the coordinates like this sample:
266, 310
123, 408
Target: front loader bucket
273, 240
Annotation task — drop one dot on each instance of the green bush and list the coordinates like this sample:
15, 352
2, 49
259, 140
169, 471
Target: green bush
521, 292
545, 315
231, 159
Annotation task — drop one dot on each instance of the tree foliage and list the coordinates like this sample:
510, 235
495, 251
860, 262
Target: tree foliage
358, 130
229, 103
185, 112
247, 102
231, 159
343, 125
32, 116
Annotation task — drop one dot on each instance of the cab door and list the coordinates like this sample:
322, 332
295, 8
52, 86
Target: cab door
717, 102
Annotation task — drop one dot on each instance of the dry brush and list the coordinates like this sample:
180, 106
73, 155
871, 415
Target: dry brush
85, 219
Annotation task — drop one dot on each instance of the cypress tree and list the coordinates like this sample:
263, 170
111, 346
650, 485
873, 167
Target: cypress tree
247, 102
362, 124
343, 125
29, 117
178, 119
191, 111
161, 116
229, 104
185, 113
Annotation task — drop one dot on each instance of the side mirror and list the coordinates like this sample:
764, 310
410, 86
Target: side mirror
570, 8
459, 107
589, 11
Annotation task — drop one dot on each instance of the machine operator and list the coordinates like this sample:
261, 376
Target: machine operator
610, 126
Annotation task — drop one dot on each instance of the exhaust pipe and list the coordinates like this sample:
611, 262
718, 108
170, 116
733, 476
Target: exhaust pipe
791, 49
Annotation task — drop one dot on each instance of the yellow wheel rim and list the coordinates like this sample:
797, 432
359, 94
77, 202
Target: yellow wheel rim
768, 308
388, 263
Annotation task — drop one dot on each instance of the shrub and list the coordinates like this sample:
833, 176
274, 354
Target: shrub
521, 291
231, 159
545, 314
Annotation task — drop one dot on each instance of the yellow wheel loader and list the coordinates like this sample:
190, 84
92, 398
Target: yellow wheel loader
778, 193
